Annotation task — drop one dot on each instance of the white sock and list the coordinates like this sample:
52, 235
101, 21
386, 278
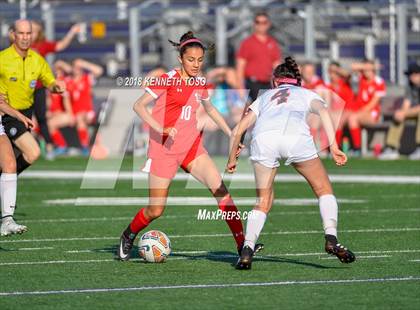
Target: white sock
329, 213
8, 185
254, 225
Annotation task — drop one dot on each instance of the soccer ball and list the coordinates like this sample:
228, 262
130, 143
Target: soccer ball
154, 246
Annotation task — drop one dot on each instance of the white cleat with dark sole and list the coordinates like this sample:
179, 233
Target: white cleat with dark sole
10, 227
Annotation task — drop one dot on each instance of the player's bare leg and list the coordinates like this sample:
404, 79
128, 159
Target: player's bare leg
314, 172
29, 147
205, 171
158, 193
264, 179
8, 187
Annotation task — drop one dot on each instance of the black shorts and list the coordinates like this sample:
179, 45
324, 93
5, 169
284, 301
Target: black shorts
15, 128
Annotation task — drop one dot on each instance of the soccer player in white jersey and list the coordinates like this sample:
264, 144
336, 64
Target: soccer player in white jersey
281, 133
8, 179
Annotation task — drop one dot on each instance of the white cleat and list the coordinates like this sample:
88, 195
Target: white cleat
10, 227
415, 155
389, 154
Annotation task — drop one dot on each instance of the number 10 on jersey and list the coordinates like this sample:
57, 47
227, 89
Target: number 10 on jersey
186, 112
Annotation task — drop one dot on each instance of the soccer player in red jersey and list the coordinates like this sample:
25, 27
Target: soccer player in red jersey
176, 142
311, 81
342, 98
44, 47
60, 112
371, 89
80, 90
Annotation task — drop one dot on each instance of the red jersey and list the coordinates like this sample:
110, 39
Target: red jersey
57, 99
260, 57
369, 89
80, 92
44, 47
343, 95
176, 106
314, 84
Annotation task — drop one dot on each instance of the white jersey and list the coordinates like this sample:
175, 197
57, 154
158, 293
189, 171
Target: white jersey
284, 109
281, 130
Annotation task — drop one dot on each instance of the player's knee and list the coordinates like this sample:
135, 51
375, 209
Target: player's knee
33, 155
9, 166
323, 189
153, 213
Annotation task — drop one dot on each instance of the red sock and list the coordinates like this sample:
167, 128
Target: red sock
339, 136
83, 136
139, 222
58, 138
356, 137
235, 224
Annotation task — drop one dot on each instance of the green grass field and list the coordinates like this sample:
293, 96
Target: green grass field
69, 249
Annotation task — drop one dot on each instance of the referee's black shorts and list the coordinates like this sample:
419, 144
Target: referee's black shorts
15, 128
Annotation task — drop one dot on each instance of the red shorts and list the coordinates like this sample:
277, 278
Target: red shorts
167, 165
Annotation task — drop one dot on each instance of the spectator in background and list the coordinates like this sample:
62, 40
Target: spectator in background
371, 89
410, 110
44, 47
222, 85
341, 98
258, 55
80, 89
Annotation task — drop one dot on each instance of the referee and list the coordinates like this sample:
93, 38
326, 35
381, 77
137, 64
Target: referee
20, 68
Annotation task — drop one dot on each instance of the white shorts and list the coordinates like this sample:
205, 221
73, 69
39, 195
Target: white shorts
268, 148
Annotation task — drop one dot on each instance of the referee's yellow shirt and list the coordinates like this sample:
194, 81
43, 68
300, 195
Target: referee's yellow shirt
18, 76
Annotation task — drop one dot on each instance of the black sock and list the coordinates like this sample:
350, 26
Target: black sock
21, 164
128, 233
331, 238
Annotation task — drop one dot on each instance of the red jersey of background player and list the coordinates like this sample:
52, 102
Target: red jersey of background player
80, 92
314, 84
176, 107
369, 89
343, 91
56, 100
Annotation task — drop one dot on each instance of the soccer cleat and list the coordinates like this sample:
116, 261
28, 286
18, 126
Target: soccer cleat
245, 260
10, 227
258, 247
124, 249
343, 254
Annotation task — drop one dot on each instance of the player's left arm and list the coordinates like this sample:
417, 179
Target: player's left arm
216, 116
318, 107
372, 103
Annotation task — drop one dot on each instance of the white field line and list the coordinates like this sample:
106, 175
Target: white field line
272, 213
76, 251
415, 260
243, 177
301, 232
183, 201
207, 286
361, 257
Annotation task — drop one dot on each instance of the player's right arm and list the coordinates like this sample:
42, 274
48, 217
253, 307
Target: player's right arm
7, 109
140, 107
235, 139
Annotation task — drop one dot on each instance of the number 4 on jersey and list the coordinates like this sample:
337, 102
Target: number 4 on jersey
281, 95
